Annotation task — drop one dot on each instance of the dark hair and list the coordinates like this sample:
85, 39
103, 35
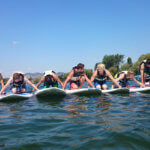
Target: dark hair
1, 76
16, 76
148, 61
80, 66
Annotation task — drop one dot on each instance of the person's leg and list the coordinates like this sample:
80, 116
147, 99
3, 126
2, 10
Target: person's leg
22, 90
97, 84
73, 86
14, 90
104, 86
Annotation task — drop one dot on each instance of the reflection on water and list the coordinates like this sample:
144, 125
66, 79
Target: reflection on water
104, 122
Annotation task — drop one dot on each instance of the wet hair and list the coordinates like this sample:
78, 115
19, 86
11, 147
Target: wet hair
80, 66
16, 76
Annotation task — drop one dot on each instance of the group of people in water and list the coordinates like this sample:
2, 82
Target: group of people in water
76, 78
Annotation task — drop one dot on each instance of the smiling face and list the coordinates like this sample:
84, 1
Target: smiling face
101, 68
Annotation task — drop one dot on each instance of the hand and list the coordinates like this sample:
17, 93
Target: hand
142, 86
120, 86
4, 93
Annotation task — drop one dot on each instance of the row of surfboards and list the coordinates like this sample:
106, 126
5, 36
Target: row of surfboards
59, 93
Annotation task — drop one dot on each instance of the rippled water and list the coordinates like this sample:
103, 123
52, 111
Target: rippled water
104, 122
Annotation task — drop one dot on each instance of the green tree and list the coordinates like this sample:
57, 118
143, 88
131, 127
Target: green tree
113, 61
88, 72
113, 71
129, 61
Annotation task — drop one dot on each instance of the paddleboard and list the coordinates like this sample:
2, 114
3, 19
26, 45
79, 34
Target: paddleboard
47, 93
85, 92
116, 91
14, 97
141, 90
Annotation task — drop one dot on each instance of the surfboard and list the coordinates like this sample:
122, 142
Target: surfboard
116, 91
10, 97
141, 90
85, 92
48, 93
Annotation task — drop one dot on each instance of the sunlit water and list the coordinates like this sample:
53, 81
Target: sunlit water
104, 122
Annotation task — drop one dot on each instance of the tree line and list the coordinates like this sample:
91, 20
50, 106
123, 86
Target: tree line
114, 63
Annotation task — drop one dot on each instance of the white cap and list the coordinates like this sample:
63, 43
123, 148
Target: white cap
19, 72
48, 72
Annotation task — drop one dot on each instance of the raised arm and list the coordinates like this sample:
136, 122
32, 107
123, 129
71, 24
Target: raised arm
7, 84
57, 79
113, 80
67, 79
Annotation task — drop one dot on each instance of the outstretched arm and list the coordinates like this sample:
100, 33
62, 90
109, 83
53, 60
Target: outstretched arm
7, 84
113, 80
1, 80
89, 81
37, 85
93, 76
57, 79
30, 83
67, 80
139, 83
142, 73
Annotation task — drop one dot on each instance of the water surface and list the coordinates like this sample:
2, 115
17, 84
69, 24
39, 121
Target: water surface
104, 122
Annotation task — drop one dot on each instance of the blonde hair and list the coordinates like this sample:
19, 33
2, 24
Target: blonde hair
130, 73
102, 66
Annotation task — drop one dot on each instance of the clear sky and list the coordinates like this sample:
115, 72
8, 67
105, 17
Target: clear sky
37, 35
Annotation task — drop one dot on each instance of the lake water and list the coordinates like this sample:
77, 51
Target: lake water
72, 123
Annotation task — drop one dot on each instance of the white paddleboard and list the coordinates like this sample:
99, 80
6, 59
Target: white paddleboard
48, 93
85, 92
116, 91
141, 90
14, 97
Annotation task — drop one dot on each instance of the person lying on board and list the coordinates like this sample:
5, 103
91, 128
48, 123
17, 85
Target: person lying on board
145, 70
77, 77
18, 83
100, 76
2, 82
123, 78
49, 79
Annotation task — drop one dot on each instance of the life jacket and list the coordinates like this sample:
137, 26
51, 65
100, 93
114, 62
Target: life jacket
49, 79
20, 83
76, 76
146, 69
125, 79
100, 77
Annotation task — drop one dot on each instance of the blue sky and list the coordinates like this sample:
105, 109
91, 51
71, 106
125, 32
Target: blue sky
37, 35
